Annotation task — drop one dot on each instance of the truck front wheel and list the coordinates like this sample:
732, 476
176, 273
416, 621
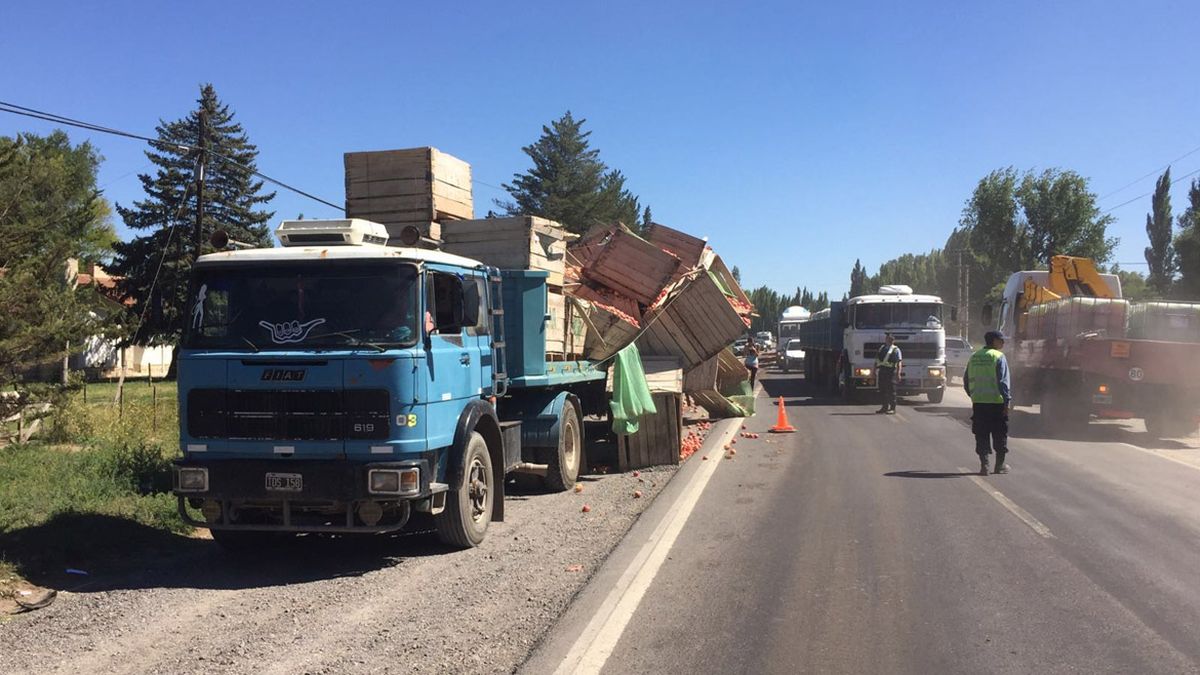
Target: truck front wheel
464, 521
565, 460
936, 395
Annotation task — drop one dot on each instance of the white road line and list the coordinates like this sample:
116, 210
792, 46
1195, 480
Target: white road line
1158, 454
598, 639
1033, 523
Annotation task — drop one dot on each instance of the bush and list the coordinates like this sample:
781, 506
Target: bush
143, 466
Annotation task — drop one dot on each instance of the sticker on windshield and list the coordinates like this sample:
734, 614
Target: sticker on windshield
290, 331
198, 308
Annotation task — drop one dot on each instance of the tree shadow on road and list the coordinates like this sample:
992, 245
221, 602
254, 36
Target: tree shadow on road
1024, 423
921, 473
121, 554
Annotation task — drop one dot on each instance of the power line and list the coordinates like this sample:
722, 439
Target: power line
1131, 183
60, 119
1143, 196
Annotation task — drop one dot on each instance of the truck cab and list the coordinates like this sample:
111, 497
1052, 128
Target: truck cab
338, 384
916, 323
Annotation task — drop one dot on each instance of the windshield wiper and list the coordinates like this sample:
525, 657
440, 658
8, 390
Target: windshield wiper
355, 342
252, 345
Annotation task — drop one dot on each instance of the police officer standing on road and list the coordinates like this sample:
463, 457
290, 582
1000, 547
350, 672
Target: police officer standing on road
987, 382
887, 373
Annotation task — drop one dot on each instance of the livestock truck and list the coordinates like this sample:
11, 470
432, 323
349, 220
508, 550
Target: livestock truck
842, 341
1079, 349
337, 384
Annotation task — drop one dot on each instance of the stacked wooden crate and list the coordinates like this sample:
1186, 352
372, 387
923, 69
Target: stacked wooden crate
517, 243
630, 265
419, 186
526, 243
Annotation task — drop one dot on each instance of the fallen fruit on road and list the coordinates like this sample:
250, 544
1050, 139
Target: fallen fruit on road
579, 487
586, 508
637, 494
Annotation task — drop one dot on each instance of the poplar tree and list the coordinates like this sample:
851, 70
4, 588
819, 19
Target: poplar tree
1160, 254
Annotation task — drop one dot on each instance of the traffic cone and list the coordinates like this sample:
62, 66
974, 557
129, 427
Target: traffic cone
781, 424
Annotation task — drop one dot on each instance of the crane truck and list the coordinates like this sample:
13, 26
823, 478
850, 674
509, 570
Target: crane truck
1079, 349
338, 384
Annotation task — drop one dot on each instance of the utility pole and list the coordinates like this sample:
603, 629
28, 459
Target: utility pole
962, 317
966, 323
198, 234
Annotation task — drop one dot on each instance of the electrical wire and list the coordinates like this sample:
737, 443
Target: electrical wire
61, 119
1135, 181
1143, 196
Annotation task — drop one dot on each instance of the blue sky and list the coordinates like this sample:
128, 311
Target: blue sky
796, 136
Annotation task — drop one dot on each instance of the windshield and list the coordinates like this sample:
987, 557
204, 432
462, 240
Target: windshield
304, 304
891, 314
794, 344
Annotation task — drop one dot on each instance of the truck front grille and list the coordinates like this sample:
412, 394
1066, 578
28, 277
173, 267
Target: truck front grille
288, 415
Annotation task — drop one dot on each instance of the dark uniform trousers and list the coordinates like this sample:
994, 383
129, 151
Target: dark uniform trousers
989, 422
887, 387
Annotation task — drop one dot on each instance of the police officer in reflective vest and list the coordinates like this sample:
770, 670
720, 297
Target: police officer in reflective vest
987, 382
887, 372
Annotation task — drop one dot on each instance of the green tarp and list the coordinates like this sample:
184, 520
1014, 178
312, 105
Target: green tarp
630, 394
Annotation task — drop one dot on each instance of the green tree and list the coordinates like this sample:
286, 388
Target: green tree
647, 218
858, 279
1019, 220
1187, 246
737, 274
50, 211
155, 266
568, 182
1134, 286
1160, 254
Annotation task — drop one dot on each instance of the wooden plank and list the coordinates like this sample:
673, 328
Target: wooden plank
687, 248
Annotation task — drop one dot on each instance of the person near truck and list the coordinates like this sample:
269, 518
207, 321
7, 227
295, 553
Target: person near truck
751, 361
987, 383
887, 372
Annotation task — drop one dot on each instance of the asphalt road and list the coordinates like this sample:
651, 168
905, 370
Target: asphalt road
865, 544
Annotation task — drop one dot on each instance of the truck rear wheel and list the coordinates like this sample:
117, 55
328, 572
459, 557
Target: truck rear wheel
464, 521
565, 460
936, 395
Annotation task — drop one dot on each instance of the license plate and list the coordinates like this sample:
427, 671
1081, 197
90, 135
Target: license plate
285, 482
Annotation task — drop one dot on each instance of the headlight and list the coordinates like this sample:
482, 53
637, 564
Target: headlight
193, 479
862, 372
935, 372
394, 481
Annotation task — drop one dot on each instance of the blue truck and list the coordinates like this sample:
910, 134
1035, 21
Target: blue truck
338, 384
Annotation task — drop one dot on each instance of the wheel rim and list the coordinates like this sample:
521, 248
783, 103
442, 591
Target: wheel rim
478, 490
570, 448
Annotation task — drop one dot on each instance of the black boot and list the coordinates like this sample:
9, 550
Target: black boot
983, 465
1001, 467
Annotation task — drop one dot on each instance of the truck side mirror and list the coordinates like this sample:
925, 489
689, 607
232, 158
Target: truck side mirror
987, 315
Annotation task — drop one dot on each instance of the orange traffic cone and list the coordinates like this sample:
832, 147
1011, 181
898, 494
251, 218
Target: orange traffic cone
781, 424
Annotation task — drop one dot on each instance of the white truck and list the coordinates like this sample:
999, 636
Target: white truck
841, 343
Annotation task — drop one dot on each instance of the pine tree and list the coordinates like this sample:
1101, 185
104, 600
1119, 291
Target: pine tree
1160, 254
647, 219
568, 182
736, 274
232, 196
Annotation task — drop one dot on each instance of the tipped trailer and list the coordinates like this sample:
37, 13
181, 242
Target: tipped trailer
337, 384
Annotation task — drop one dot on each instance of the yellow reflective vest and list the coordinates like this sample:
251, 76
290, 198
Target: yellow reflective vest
981, 375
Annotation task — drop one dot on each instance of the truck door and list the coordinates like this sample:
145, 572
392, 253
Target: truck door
449, 357
477, 338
